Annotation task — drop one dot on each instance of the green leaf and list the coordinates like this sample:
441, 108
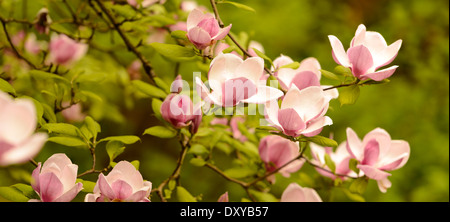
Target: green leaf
198, 149
49, 113
243, 129
62, 128
239, 5
161, 132
352, 165
13, 194
329, 75
179, 34
184, 195
149, 90
174, 52
342, 70
156, 107
113, 149
322, 141
263, 197
293, 65
262, 55
88, 186
172, 184
359, 185
329, 162
6, 87
239, 172
93, 127
67, 141
349, 95
124, 139
26, 190
353, 196
124, 10
136, 164
198, 162
41, 75
162, 84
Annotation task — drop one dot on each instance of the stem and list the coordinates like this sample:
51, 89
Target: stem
145, 63
324, 169
342, 85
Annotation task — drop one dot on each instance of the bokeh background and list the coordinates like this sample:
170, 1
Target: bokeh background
414, 106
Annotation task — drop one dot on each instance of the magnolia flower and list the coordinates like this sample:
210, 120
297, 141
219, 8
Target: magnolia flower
340, 157
65, 51
74, 113
377, 153
178, 110
123, 183
368, 51
18, 142
234, 80
223, 197
34, 46
302, 112
203, 29
296, 193
56, 180
276, 151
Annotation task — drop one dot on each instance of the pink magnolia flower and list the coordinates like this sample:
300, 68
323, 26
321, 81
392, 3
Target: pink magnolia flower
55, 181
179, 111
223, 197
178, 26
340, 157
123, 184
276, 151
33, 46
18, 142
296, 193
377, 153
368, 51
302, 112
234, 80
74, 113
203, 29
65, 51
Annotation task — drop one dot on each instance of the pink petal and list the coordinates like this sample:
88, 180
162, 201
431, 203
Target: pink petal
252, 69
210, 25
384, 184
129, 174
222, 68
264, 94
195, 17
296, 193
199, 37
121, 189
138, 196
354, 145
371, 153
373, 172
309, 102
361, 60
203, 91
281, 61
383, 139
271, 110
380, 75
236, 90
25, 151
35, 178
18, 121
105, 188
398, 155
360, 36
50, 187
290, 121
222, 33
375, 42
70, 194
223, 197
310, 64
68, 176
285, 77
338, 51
315, 127
305, 79
387, 55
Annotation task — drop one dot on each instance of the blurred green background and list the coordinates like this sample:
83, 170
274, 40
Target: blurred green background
414, 106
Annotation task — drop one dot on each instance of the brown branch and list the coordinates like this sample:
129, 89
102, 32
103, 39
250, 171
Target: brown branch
145, 63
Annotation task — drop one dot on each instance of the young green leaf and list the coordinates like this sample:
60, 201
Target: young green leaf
12, 194
329, 75
293, 65
359, 185
92, 125
349, 95
88, 186
184, 195
62, 128
113, 149
239, 172
352, 165
124, 139
179, 34
262, 55
6, 87
330, 163
262, 196
161, 132
342, 70
67, 141
26, 190
174, 52
156, 107
322, 141
198, 162
239, 5
149, 90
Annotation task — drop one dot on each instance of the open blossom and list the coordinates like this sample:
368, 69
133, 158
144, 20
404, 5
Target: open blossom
203, 29
296, 193
123, 183
340, 157
377, 153
276, 151
368, 52
302, 112
55, 181
18, 142
64, 50
235, 81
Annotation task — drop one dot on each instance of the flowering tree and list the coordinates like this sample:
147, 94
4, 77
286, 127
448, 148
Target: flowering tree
72, 64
